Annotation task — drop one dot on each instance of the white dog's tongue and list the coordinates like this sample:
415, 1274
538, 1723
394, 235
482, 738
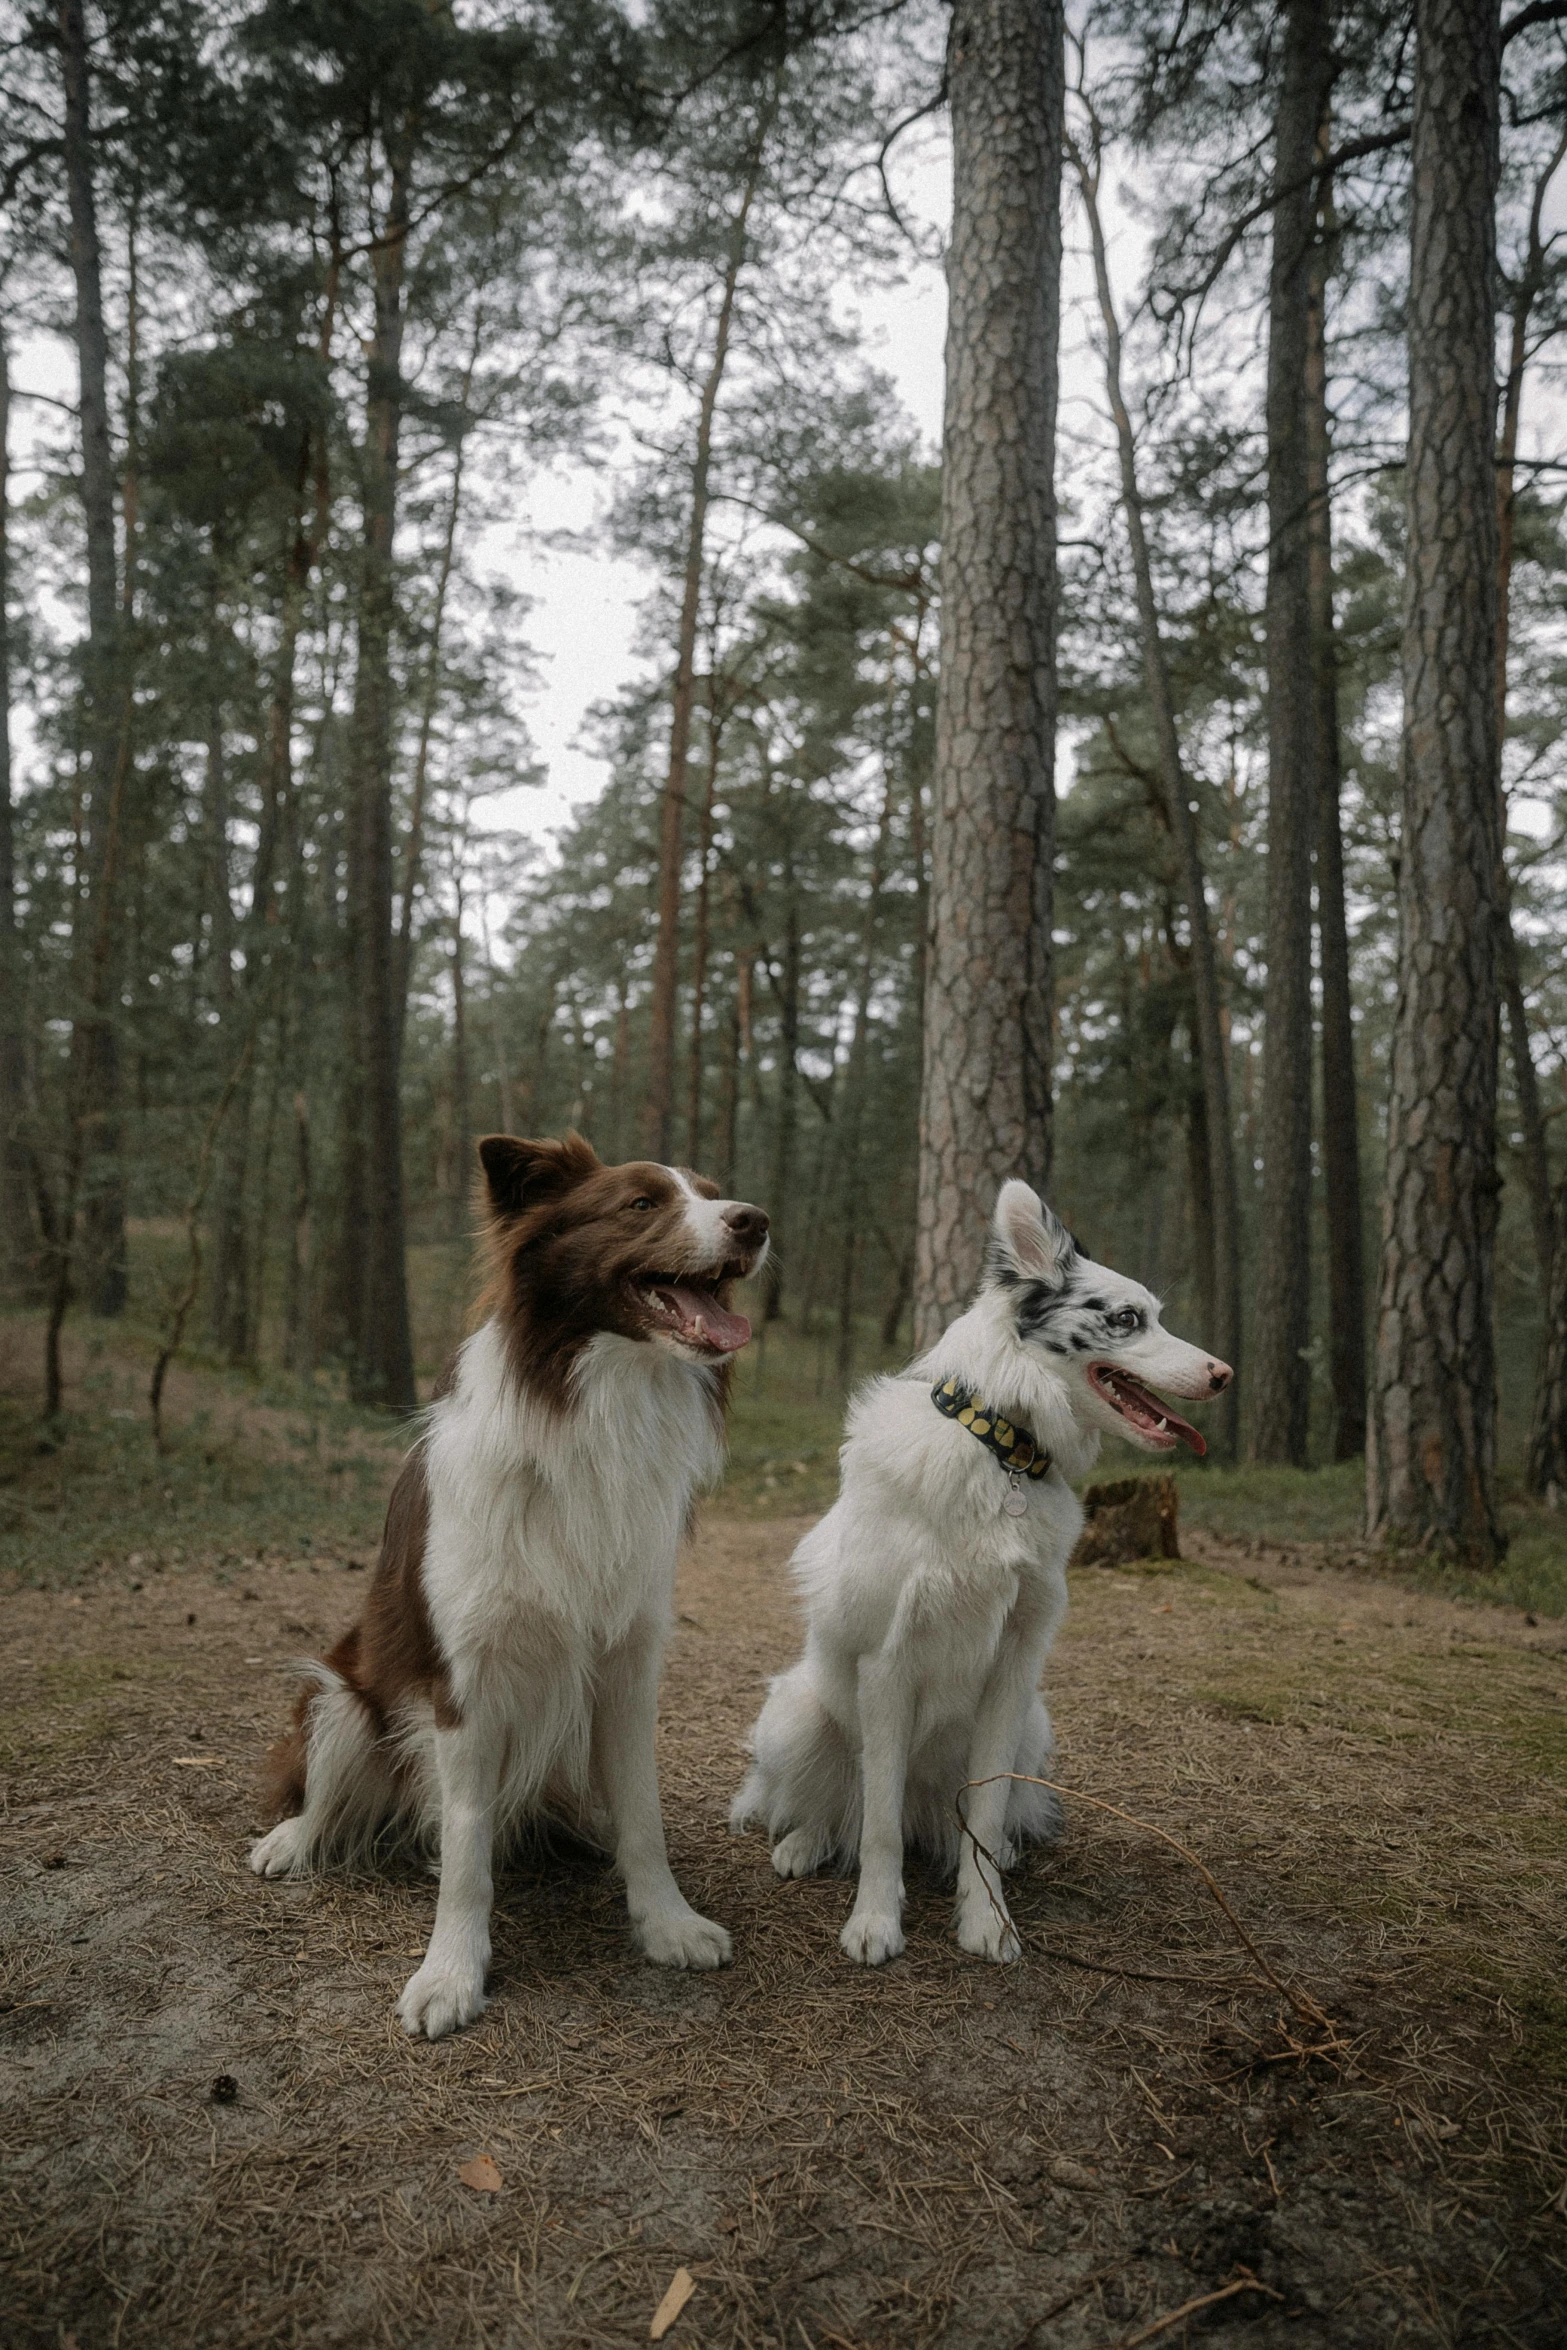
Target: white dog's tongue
1152, 1411
704, 1322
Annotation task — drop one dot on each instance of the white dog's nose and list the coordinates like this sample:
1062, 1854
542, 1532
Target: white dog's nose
1219, 1375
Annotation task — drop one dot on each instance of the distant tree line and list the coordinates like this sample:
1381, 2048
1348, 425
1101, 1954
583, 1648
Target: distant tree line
1271, 995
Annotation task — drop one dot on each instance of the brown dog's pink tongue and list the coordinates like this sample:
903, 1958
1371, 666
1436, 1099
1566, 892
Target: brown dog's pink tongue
706, 1321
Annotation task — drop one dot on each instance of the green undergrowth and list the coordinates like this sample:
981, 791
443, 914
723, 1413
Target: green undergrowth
264, 1462
1326, 1506
1267, 1504
786, 1422
247, 1465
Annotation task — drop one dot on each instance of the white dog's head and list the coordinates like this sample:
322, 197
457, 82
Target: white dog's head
1099, 1332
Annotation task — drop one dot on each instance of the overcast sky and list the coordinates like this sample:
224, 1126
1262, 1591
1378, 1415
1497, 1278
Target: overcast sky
584, 615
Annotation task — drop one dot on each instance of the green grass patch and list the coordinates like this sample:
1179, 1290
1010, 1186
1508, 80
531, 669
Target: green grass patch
786, 1422
253, 1467
1274, 1505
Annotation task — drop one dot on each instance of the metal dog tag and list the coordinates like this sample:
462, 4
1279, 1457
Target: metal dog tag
1016, 1503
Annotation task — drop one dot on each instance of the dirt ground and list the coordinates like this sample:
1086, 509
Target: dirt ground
215, 2133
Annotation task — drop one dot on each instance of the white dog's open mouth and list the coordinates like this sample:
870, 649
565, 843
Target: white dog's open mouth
1154, 1421
689, 1310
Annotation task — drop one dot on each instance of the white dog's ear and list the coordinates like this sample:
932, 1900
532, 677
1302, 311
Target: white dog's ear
1028, 1242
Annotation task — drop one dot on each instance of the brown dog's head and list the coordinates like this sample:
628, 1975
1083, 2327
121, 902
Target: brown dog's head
578, 1248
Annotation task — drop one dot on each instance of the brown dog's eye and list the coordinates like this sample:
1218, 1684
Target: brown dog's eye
642, 1203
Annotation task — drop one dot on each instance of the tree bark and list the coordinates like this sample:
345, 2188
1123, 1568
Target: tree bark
95, 1178
375, 1288
1223, 1207
787, 1114
985, 1097
1431, 1463
299, 1343
702, 927
659, 1109
228, 1293
1340, 1096
413, 847
1280, 1374
1526, 1084
21, 1271
852, 1117
462, 1120
1546, 1472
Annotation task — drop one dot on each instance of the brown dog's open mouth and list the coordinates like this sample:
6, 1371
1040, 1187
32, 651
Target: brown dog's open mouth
1141, 1409
688, 1309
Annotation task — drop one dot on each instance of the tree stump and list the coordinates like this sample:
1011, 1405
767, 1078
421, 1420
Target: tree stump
1135, 1518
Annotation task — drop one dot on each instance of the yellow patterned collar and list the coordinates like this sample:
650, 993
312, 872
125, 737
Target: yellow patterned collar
1017, 1449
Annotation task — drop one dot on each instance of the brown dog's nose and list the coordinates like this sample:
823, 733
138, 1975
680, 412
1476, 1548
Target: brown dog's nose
748, 1224
1219, 1375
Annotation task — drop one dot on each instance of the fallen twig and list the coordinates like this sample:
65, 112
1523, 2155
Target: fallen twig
1301, 2001
1133, 1974
1245, 2283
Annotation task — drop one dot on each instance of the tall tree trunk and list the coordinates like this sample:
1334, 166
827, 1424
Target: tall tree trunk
462, 1115
1526, 1083
271, 944
1431, 1464
1199, 1185
381, 1347
20, 1269
659, 1109
726, 1139
299, 1347
1175, 785
228, 1299
95, 1180
985, 1096
413, 847
1546, 1473
1340, 1098
1280, 1373
786, 1223
852, 1115
702, 928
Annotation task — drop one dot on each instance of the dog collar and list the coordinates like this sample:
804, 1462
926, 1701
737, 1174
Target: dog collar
1017, 1449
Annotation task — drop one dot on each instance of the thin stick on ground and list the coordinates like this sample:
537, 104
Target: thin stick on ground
1245, 2283
1301, 2001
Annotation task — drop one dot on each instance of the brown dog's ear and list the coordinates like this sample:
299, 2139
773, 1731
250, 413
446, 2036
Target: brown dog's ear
520, 1174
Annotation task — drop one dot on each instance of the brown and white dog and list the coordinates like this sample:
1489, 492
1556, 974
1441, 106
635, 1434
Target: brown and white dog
507, 1660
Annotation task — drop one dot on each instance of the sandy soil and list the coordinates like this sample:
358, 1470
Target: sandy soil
215, 2133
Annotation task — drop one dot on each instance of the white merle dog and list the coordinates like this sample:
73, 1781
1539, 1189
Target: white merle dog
934, 1585
506, 1662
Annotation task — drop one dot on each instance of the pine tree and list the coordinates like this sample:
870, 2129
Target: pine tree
985, 1103
1431, 1468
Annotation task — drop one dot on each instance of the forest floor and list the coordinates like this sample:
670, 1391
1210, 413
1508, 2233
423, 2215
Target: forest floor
215, 2132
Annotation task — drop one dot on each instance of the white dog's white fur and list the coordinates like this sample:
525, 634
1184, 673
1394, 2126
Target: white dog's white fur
930, 1609
508, 1659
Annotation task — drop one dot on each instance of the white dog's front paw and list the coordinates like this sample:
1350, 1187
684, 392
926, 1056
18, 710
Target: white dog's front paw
441, 1998
986, 1931
799, 1854
678, 1937
872, 1936
278, 1854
